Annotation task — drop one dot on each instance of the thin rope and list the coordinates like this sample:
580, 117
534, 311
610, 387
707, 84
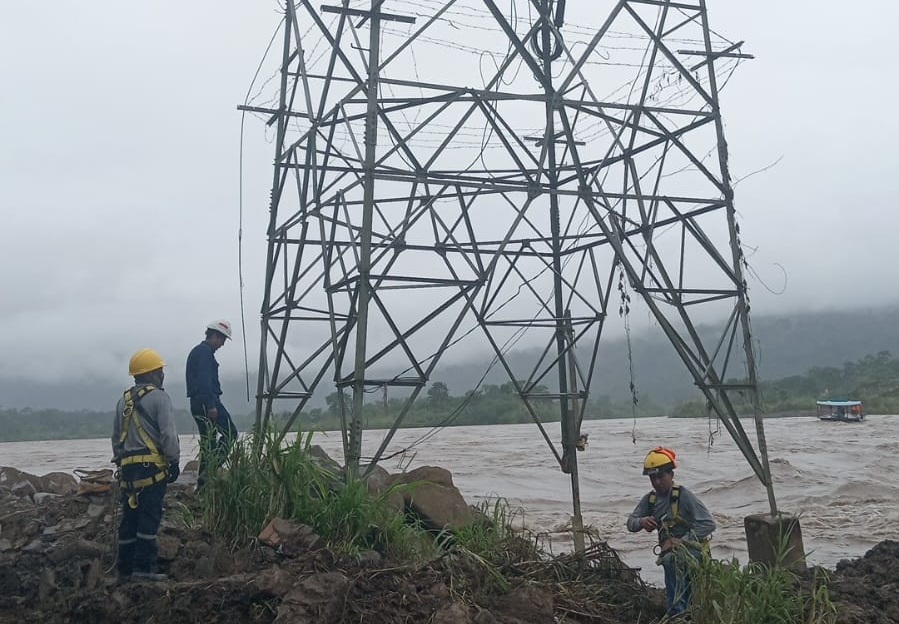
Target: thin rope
243, 116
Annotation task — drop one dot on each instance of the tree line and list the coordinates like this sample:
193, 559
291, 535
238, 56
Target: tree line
873, 379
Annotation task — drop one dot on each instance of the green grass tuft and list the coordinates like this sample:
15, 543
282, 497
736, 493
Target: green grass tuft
724, 592
265, 478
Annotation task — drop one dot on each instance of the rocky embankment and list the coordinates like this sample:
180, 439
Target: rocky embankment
57, 564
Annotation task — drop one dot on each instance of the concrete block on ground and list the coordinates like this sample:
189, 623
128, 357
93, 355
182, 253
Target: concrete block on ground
766, 535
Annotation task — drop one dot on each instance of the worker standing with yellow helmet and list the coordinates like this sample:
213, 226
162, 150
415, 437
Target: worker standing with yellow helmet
683, 522
145, 448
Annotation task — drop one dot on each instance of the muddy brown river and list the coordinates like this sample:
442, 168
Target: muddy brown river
840, 478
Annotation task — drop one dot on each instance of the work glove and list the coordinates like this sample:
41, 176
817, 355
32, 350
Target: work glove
174, 471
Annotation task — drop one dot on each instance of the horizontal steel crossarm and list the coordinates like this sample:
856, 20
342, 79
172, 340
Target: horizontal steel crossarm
663, 135
729, 386
692, 291
371, 382
471, 94
287, 394
725, 53
539, 322
406, 282
508, 186
278, 313
390, 17
719, 297
445, 176
666, 3
476, 95
488, 247
552, 395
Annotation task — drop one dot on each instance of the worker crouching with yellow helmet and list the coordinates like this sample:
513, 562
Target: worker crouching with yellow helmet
146, 450
683, 523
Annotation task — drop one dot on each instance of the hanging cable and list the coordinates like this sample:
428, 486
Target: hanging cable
243, 115
624, 311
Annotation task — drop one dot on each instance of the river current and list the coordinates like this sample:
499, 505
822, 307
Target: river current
840, 478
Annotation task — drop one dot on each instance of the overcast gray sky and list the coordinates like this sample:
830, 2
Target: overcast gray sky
120, 156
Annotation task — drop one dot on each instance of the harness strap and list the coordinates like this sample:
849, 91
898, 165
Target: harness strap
133, 488
674, 497
675, 518
139, 459
131, 417
139, 484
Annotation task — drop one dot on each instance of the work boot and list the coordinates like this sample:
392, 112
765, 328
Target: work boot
125, 558
148, 576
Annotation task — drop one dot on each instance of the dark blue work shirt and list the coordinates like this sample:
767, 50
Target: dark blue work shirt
202, 375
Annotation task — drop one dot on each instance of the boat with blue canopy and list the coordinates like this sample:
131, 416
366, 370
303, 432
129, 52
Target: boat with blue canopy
841, 410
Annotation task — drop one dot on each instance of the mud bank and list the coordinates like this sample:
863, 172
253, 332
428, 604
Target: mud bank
57, 566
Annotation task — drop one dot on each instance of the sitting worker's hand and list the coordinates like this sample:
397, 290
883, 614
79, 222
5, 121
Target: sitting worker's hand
670, 544
212, 413
174, 472
649, 523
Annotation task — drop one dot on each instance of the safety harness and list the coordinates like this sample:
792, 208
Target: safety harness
131, 417
674, 519
670, 521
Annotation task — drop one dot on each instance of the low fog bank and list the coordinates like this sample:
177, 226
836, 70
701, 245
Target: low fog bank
787, 344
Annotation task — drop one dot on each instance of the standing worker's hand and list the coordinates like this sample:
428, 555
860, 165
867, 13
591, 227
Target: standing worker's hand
212, 413
649, 523
174, 471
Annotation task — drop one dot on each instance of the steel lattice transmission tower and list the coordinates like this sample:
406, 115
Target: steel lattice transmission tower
446, 166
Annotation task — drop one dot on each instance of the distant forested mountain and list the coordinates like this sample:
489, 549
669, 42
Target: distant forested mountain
873, 379
785, 345
788, 344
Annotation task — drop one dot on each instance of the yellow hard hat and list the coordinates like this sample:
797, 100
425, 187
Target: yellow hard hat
659, 460
144, 361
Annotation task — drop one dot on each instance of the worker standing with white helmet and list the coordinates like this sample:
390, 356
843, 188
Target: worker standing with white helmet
217, 430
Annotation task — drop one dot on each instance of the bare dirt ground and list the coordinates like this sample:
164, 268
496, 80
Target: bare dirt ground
57, 566
866, 590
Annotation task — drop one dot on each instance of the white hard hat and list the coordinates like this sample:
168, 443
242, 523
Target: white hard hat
221, 326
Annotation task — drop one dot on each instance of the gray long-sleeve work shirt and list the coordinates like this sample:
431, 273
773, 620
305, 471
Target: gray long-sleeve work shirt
697, 523
157, 418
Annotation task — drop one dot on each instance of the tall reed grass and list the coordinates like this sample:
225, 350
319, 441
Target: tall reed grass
265, 477
724, 592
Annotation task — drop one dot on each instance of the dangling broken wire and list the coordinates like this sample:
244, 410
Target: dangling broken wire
624, 310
